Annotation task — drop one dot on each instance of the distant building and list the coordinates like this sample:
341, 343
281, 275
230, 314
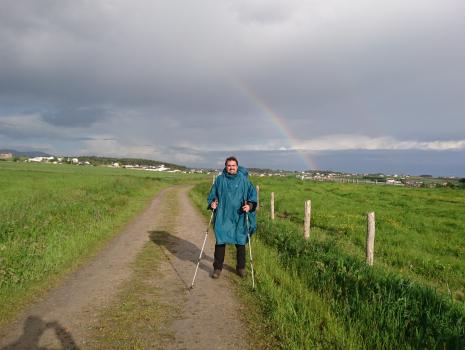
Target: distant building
36, 159
41, 159
162, 168
159, 168
393, 182
6, 155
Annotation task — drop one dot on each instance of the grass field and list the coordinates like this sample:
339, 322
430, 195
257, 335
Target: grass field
321, 294
53, 217
314, 294
420, 233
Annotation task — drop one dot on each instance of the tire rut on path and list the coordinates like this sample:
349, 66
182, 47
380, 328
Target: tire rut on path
207, 317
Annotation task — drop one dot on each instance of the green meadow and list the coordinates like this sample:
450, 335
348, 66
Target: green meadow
310, 294
321, 294
54, 217
420, 233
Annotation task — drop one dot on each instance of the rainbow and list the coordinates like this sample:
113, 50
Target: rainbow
278, 121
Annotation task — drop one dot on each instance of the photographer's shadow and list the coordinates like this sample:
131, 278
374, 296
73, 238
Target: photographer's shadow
34, 328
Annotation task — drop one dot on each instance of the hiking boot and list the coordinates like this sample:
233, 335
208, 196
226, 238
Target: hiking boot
216, 273
241, 272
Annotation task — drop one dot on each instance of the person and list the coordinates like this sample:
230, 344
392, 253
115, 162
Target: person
234, 200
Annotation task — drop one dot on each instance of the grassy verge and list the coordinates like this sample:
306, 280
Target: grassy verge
385, 309
316, 294
283, 307
53, 218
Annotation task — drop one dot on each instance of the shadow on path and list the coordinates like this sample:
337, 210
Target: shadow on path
34, 327
185, 251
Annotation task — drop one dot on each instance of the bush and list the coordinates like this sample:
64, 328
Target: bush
462, 182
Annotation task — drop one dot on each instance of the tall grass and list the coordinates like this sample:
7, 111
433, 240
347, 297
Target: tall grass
385, 309
52, 217
321, 294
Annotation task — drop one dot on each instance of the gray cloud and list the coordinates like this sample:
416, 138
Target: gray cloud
223, 74
75, 116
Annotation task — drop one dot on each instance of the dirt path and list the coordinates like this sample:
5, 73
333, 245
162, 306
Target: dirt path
210, 315
206, 317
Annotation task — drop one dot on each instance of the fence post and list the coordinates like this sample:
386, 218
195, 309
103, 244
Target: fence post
258, 197
213, 180
370, 238
308, 215
272, 205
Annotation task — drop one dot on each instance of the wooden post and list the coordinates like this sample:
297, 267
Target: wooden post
272, 205
213, 180
258, 197
308, 214
370, 238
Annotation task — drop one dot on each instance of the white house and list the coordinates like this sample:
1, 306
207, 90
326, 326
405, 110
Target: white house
41, 159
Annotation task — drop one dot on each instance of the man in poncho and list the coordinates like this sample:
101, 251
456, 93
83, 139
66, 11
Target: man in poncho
234, 199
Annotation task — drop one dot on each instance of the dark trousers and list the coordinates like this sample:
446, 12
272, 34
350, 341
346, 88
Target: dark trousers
219, 256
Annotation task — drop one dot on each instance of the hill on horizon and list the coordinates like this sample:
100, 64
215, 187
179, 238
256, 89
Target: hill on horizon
16, 153
97, 160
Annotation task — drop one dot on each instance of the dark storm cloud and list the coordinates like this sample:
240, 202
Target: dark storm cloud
407, 85
152, 76
77, 53
75, 116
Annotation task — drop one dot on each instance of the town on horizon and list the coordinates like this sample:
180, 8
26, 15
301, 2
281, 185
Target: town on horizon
423, 180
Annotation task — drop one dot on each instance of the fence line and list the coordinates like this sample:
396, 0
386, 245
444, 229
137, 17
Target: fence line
361, 181
370, 237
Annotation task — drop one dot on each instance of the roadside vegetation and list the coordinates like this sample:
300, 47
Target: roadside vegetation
320, 293
54, 217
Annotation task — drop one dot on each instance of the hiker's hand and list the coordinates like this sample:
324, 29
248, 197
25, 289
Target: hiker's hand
246, 207
214, 204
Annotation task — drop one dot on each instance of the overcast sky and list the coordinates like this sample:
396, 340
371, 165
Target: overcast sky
363, 85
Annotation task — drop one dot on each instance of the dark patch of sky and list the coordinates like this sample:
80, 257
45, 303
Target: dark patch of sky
178, 80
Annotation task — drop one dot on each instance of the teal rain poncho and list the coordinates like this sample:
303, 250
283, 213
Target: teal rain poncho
230, 222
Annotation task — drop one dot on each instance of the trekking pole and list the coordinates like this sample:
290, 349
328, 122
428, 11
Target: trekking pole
201, 251
250, 249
